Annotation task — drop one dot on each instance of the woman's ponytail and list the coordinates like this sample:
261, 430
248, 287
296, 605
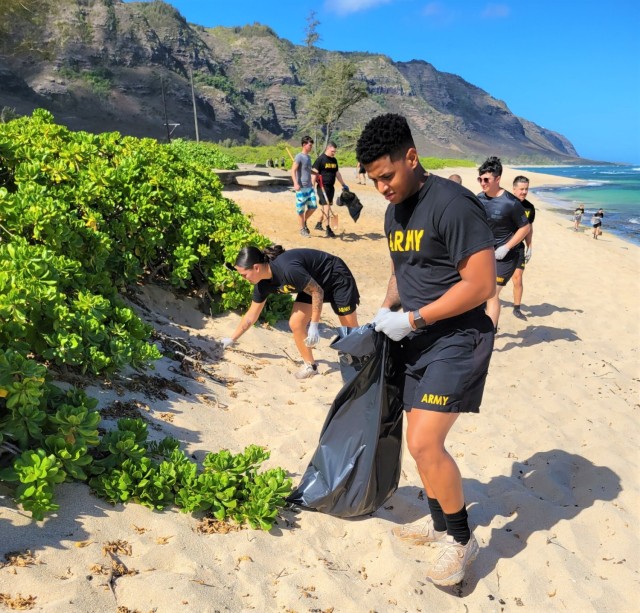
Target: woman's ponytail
249, 256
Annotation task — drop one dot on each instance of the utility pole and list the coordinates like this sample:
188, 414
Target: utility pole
193, 100
164, 104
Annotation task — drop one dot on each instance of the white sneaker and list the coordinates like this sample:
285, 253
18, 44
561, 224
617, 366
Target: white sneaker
419, 532
452, 561
307, 370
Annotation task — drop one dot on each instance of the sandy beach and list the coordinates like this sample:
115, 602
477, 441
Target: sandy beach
548, 465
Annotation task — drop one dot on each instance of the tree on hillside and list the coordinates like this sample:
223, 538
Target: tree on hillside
339, 91
331, 88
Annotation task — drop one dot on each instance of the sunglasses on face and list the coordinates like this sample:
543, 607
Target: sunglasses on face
484, 179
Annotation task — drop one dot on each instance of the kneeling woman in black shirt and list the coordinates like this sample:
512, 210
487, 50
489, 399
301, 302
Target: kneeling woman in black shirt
316, 276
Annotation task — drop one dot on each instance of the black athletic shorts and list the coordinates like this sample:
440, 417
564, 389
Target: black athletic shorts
331, 190
343, 294
521, 263
444, 367
507, 266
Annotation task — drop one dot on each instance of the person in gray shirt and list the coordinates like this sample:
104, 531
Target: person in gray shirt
304, 183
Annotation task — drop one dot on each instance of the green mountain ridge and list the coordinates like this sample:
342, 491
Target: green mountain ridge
102, 65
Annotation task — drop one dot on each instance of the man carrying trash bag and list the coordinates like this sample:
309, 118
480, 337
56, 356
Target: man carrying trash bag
443, 272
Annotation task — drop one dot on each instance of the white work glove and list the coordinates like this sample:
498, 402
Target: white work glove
501, 252
313, 335
394, 324
227, 342
381, 311
527, 254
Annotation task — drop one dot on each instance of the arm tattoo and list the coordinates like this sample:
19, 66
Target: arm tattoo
317, 296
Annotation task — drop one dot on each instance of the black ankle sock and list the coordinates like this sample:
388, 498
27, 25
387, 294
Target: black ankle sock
516, 306
437, 515
458, 526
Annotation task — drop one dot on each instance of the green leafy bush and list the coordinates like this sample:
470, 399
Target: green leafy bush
82, 217
229, 487
92, 213
203, 154
55, 433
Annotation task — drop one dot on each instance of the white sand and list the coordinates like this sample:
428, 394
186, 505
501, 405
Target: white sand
549, 465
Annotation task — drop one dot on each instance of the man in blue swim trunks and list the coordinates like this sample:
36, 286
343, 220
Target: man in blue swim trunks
304, 183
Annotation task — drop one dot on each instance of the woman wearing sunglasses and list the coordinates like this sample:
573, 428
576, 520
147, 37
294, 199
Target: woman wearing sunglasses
316, 276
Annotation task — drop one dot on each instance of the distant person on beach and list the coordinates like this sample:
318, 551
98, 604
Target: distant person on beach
326, 165
509, 225
442, 272
456, 179
362, 174
520, 191
596, 223
316, 276
577, 217
303, 184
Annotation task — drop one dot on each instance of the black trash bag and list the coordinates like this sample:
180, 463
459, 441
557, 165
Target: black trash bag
352, 202
350, 364
356, 466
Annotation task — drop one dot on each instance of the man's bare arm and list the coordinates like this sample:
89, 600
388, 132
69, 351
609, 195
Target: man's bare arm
392, 299
294, 175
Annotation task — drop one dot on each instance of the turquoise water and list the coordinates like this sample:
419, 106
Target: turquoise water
616, 189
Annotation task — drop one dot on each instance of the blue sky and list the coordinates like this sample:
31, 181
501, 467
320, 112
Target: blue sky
572, 66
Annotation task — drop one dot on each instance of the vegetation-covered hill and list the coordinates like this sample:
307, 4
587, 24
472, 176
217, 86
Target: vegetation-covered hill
102, 65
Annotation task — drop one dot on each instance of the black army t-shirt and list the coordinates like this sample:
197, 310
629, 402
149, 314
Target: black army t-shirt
529, 210
327, 166
504, 214
292, 271
429, 234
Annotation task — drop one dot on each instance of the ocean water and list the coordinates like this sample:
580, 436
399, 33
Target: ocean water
616, 189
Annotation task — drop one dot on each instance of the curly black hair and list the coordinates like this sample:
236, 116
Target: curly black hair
384, 135
492, 165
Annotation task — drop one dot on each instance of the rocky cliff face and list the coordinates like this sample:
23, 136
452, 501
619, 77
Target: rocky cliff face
103, 65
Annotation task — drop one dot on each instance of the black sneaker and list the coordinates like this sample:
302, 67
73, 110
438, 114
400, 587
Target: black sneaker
330, 233
519, 314
319, 226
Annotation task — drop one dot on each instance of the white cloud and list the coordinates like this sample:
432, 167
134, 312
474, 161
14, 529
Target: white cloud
438, 13
346, 7
496, 11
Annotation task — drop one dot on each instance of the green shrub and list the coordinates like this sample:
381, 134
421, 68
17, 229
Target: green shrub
82, 218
